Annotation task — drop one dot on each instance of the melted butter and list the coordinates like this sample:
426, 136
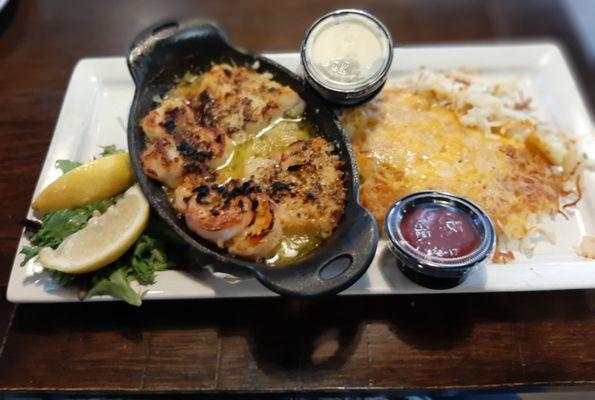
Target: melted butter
262, 148
293, 246
187, 87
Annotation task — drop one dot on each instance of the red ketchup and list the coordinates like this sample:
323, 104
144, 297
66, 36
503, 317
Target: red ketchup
440, 231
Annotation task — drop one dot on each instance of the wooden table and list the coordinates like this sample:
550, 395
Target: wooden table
267, 345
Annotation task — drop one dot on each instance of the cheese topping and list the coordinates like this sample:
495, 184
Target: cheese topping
445, 132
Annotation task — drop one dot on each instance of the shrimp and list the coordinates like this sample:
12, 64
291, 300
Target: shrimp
181, 197
186, 190
219, 212
264, 233
237, 216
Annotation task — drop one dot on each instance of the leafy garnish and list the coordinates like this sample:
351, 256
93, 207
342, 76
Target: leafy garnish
62, 278
116, 284
140, 264
67, 165
29, 252
58, 225
110, 150
148, 258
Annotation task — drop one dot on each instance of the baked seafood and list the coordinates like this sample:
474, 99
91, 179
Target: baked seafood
242, 165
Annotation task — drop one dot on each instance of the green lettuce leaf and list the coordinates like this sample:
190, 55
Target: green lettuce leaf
117, 284
61, 278
148, 258
141, 263
110, 150
29, 252
67, 165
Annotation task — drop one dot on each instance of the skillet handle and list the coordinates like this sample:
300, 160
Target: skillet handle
151, 48
349, 260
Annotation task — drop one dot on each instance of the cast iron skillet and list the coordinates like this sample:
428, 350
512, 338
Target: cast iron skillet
168, 50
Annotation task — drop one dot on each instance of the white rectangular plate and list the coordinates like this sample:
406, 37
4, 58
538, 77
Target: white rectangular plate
95, 112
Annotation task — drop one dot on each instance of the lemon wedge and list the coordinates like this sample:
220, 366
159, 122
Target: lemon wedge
96, 180
104, 239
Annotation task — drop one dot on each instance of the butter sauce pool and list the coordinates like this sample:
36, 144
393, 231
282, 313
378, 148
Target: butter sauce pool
263, 148
250, 153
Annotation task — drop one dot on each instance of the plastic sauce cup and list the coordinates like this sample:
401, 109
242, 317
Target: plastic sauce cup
438, 238
346, 56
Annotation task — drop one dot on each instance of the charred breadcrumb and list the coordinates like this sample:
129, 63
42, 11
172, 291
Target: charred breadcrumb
186, 149
169, 125
204, 155
278, 186
193, 168
312, 197
201, 191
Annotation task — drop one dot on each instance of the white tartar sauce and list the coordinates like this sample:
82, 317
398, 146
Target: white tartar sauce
347, 51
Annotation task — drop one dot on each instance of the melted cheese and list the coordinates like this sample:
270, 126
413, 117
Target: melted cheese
406, 141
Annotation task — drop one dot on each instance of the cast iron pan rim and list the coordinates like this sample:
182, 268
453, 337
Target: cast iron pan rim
258, 269
144, 179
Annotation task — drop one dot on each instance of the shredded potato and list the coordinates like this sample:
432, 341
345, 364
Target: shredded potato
587, 247
449, 132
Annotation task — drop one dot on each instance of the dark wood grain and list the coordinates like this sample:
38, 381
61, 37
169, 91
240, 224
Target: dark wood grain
266, 345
